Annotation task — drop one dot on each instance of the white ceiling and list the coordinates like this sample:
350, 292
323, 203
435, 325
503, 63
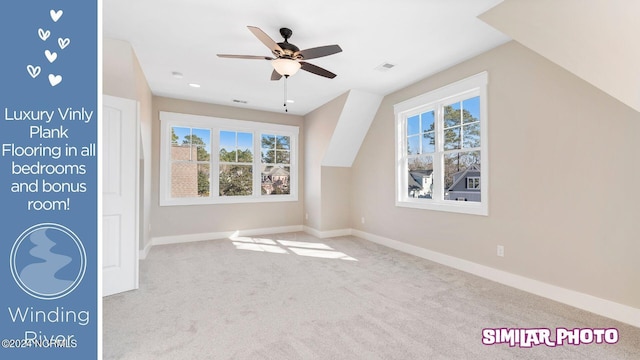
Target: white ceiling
420, 37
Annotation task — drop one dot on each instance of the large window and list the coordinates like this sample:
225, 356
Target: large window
441, 149
206, 160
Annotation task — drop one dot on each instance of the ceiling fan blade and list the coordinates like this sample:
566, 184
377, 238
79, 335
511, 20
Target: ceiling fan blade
275, 75
317, 70
319, 52
250, 57
265, 39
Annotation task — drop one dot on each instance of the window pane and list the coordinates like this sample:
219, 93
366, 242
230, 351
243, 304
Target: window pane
268, 156
282, 157
202, 153
228, 146
452, 115
245, 147
275, 180
413, 145
471, 135
452, 139
428, 142
427, 119
282, 142
182, 152
458, 167
420, 179
413, 125
268, 141
236, 147
184, 179
471, 109
204, 174
236, 180
181, 140
178, 134
245, 156
201, 139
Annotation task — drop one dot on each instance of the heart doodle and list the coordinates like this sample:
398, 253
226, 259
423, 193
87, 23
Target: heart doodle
34, 71
44, 34
51, 56
63, 43
55, 15
55, 79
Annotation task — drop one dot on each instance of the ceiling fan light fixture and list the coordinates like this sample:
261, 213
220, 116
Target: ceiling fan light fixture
286, 67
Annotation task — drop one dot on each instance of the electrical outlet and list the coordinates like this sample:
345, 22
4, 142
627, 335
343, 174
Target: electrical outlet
500, 250
362, 220
306, 216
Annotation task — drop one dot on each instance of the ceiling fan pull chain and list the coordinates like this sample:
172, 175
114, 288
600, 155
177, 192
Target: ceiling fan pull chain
285, 93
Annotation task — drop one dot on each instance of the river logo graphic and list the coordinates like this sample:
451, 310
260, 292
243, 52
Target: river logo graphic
48, 261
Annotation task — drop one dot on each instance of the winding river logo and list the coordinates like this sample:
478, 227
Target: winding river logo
48, 261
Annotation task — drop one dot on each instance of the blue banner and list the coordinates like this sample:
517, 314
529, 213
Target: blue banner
48, 180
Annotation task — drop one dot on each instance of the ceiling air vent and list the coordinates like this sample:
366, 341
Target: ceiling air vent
239, 101
385, 66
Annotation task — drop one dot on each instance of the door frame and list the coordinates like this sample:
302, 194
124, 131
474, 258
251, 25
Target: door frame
115, 101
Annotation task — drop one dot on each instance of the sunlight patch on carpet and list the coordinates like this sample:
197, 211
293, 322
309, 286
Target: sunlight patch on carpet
301, 248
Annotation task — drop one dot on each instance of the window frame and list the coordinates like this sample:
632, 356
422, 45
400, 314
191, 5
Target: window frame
435, 100
216, 125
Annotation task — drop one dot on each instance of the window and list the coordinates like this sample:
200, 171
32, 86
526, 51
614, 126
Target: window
236, 164
276, 167
255, 162
473, 182
190, 157
441, 148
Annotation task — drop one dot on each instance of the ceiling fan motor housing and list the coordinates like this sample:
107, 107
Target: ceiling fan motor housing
289, 50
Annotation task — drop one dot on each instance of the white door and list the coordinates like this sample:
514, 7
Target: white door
120, 160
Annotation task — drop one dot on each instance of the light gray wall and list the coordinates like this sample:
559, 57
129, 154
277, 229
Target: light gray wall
123, 77
319, 127
200, 219
558, 150
336, 198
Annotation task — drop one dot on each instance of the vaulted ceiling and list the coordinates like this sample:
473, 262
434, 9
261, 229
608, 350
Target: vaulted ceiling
418, 37
595, 40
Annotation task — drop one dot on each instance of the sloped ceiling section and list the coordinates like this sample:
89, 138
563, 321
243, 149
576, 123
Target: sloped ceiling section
596, 40
353, 124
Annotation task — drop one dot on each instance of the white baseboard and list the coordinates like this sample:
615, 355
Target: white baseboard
326, 234
142, 254
177, 239
610, 309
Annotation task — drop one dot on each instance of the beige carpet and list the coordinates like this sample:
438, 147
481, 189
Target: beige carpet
294, 296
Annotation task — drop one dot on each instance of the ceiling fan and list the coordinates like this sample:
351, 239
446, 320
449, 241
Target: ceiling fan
288, 58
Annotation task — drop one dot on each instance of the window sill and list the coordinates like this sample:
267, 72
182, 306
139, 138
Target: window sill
471, 208
228, 200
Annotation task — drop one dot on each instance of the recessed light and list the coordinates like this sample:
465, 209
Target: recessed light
194, 85
177, 75
290, 101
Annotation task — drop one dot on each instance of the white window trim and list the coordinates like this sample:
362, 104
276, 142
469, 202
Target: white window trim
170, 119
464, 88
